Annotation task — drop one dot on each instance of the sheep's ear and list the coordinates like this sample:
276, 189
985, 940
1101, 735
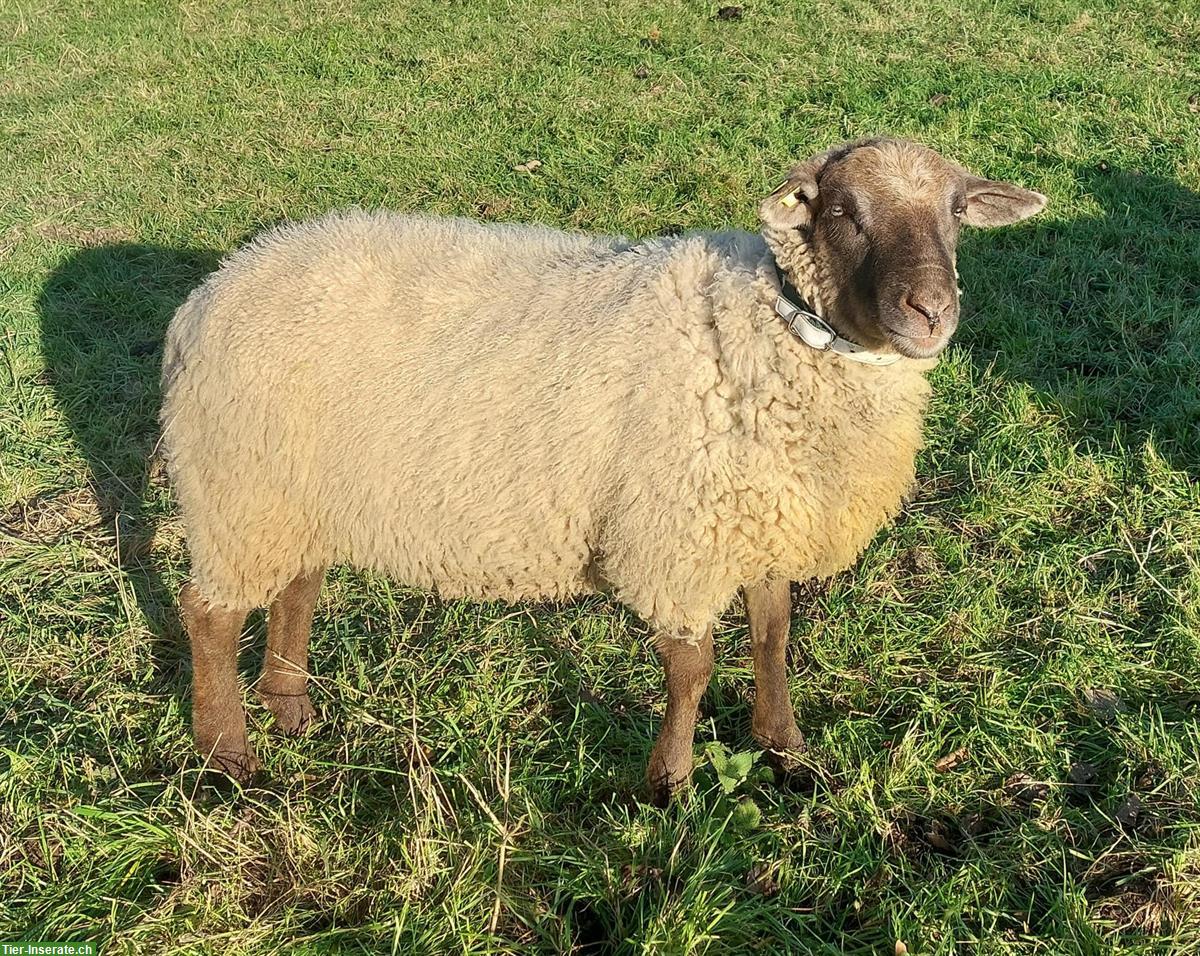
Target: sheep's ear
790, 204
992, 203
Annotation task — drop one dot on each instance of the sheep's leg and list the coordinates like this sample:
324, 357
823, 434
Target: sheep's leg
688, 665
283, 683
218, 721
769, 608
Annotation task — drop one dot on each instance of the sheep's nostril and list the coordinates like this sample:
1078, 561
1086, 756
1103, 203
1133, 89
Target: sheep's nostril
932, 315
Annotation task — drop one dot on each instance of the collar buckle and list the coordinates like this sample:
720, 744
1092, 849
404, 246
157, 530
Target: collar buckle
818, 334
800, 318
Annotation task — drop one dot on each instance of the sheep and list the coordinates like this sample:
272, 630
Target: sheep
513, 412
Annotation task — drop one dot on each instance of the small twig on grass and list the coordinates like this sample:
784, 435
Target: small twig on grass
501, 828
1141, 562
504, 791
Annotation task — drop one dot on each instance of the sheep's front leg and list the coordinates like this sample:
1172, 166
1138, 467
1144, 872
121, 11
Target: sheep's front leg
769, 608
218, 720
283, 683
688, 666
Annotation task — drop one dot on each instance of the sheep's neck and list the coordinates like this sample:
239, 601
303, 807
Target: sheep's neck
794, 254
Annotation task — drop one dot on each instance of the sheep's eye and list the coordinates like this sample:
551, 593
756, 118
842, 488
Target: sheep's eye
960, 210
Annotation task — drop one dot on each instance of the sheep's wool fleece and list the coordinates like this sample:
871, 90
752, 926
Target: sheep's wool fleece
515, 412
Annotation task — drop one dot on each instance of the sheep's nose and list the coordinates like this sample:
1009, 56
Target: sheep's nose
934, 304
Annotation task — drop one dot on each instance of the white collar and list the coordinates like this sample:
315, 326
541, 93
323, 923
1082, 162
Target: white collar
816, 333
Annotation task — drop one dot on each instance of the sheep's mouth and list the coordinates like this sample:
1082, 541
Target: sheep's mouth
918, 346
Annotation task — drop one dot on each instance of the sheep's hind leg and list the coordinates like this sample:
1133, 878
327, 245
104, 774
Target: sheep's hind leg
769, 608
688, 666
283, 684
218, 720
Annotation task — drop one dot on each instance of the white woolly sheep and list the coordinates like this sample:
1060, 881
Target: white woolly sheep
514, 412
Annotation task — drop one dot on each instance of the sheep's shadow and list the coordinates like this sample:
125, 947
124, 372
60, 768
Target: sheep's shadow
104, 313
1099, 314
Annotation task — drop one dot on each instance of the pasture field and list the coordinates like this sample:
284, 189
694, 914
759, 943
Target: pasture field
1002, 699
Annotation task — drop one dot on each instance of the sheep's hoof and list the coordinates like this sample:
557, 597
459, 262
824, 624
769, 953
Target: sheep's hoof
665, 778
294, 713
783, 748
238, 764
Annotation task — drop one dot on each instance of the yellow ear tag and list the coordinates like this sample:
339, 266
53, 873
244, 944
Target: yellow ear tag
789, 200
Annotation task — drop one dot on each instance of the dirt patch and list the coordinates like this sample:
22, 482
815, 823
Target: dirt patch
82, 236
1132, 895
45, 518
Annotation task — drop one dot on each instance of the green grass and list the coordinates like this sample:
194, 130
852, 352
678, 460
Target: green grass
475, 763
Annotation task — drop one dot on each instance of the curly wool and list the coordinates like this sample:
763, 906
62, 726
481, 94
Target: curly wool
512, 412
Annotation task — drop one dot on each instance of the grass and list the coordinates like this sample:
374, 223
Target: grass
1001, 699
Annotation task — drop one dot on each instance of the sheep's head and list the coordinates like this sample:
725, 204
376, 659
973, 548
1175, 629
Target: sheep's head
868, 232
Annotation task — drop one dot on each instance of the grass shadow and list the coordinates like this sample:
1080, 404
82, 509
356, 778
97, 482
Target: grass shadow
104, 312
1100, 314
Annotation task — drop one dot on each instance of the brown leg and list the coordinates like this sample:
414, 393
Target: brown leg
283, 684
769, 607
688, 666
218, 721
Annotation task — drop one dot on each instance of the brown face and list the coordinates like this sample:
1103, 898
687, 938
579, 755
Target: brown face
871, 230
